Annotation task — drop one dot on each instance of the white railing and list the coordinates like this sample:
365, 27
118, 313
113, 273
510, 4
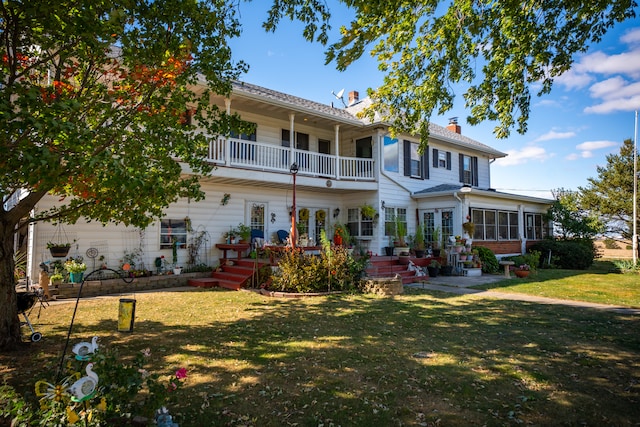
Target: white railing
267, 157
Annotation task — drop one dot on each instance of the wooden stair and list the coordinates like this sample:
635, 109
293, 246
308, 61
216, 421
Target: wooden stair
232, 274
389, 266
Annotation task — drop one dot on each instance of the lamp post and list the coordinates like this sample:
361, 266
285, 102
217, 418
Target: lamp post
293, 235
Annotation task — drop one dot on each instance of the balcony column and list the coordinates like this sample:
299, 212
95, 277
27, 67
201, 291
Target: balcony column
227, 141
336, 129
292, 138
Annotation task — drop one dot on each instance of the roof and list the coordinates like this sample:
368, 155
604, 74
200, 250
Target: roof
350, 114
450, 189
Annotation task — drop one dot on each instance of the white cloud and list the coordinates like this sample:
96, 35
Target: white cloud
596, 145
631, 37
526, 154
613, 105
554, 135
587, 148
600, 63
573, 79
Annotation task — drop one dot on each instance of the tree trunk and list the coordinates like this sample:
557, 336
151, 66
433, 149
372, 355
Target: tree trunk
9, 320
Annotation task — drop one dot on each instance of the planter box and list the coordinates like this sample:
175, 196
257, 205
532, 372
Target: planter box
472, 272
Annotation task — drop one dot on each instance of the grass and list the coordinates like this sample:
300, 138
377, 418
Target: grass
595, 285
421, 358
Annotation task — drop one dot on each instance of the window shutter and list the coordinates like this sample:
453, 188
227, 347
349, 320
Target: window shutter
435, 157
407, 157
461, 167
474, 170
448, 160
425, 164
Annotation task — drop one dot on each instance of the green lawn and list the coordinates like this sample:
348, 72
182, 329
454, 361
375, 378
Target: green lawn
596, 285
421, 358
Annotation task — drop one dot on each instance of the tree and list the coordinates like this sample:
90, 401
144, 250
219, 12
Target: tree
610, 195
425, 47
96, 98
570, 220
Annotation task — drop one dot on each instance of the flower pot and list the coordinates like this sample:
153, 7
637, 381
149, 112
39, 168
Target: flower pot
177, 270
59, 251
446, 270
403, 259
76, 277
433, 271
388, 250
419, 253
436, 253
521, 273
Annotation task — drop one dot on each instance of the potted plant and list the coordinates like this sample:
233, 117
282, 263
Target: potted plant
418, 241
446, 269
403, 257
435, 245
58, 250
433, 268
76, 269
244, 231
230, 236
367, 211
522, 270
469, 228
56, 278
401, 234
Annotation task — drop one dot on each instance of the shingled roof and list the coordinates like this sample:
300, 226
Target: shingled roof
349, 114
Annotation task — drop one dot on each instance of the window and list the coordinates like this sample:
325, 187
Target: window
256, 222
468, 170
441, 159
324, 146
390, 215
494, 224
391, 154
244, 136
416, 165
363, 148
302, 140
534, 226
359, 225
171, 229
507, 225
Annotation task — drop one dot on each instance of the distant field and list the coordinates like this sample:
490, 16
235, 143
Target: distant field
621, 253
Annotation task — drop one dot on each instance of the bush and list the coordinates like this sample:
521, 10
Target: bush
575, 254
489, 261
333, 270
609, 243
532, 259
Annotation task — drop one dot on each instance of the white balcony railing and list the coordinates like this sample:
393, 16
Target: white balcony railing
266, 157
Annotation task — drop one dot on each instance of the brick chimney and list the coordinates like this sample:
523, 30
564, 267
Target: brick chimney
453, 125
354, 97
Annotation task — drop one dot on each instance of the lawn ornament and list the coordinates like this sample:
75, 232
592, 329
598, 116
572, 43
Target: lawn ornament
84, 350
85, 388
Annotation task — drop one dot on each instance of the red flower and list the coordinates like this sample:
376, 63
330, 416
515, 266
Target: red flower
181, 373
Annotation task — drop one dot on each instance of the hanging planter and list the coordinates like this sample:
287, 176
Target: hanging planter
59, 250
59, 244
303, 215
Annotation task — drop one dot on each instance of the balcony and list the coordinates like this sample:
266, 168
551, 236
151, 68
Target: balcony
271, 158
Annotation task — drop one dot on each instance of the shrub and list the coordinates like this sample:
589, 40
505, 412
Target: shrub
575, 254
609, 243
489, 261
334, 269
532, 259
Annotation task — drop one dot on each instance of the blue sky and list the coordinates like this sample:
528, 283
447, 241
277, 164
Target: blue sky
589, 113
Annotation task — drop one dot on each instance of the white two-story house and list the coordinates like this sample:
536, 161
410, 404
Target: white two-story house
344, 163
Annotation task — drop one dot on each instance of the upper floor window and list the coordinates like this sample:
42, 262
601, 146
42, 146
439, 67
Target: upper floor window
363, 148
391, 163
468, 170
302, 139
244, 136
441, 159
416, 165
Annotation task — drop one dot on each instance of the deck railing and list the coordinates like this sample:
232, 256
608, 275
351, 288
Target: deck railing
273, 158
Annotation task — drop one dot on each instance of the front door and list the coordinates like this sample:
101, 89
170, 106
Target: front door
440, 219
